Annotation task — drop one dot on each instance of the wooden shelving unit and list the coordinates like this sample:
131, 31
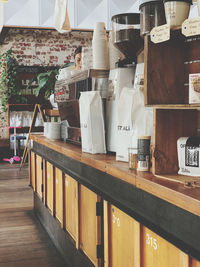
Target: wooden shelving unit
167, 69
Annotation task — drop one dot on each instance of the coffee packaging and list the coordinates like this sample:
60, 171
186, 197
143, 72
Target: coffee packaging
194, 88
188, 156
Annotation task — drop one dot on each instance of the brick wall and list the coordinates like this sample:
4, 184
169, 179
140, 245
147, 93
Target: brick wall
41, 48
44, 47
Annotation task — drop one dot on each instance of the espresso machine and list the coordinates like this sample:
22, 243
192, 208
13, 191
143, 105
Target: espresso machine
67, 93
126, 38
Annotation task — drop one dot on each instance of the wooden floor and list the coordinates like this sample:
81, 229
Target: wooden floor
23, 241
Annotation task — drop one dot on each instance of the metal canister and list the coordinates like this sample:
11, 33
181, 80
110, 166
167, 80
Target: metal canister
143, 153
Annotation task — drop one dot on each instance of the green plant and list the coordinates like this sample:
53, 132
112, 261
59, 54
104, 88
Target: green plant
8, 80
46, 82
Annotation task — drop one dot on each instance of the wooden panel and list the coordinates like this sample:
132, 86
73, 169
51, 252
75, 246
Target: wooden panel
50, 189
157, 252
169, 125
39, 176
194, 263
123, 238
71, 199
161, 71
59, 195
33, 170
88, 223
45, 182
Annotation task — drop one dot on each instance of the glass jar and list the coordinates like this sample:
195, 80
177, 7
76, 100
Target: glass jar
152, 14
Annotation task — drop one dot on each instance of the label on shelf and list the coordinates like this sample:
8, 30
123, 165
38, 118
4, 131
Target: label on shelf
191, 27
160, 34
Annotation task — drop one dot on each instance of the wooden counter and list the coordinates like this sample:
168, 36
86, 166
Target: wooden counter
167, 208
176, 193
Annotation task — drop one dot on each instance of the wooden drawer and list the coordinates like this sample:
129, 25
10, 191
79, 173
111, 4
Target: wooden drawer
89, 224
50, 187
157, 252
39, 176
59, 195
33, 170
71, 206
121, 238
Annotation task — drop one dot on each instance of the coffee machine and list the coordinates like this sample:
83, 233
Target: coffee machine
126, 38
67, 92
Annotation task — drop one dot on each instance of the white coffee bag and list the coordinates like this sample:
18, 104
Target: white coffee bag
133, 120
92, 123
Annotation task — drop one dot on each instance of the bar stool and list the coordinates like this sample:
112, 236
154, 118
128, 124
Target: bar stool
18, 139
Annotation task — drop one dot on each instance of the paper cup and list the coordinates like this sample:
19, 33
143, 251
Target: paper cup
99, 30
53, 130
100, 54
46, 125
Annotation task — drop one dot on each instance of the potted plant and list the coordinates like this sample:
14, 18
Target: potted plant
46, 83
8, 80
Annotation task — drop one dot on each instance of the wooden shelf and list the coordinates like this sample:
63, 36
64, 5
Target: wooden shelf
52, 112
21, 107
167, 69
177, 106
26, 129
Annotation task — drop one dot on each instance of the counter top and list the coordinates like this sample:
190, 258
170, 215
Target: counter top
176, 193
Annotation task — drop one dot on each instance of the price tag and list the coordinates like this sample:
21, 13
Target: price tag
160, 34
191, 27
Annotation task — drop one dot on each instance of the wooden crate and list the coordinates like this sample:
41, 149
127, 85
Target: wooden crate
121, 238
157, 252
50, 196
169, 125
33, 170
89, 224
71, 207
167, 69
39, 176
59, 195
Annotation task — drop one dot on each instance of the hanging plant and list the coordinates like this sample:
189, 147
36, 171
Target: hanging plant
8, 80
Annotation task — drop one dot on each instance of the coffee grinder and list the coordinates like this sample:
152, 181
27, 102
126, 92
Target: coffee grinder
126, 38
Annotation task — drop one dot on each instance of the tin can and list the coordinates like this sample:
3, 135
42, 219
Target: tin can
143, 153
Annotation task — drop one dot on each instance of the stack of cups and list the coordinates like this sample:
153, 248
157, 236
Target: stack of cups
53, 130
100, 47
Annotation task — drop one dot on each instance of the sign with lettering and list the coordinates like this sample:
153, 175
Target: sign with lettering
160, 34
191, 27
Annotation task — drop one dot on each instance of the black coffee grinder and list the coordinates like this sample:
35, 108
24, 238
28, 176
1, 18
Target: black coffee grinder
126, 32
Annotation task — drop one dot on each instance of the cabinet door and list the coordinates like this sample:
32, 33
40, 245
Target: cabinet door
121, 239
194, 263
50, 187
39, 176
32, 169
71, 206
59, 195
157, 252
89, 228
